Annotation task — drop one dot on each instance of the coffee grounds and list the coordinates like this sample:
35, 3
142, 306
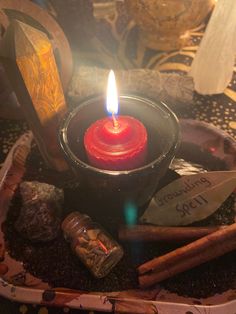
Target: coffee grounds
55, 263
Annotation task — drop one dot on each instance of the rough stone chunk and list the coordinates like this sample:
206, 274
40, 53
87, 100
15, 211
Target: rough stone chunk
32, 191
39, 218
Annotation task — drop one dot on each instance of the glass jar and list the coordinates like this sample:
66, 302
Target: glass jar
98, 251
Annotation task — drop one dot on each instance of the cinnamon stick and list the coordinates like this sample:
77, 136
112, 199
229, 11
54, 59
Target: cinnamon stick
148, 233
198, 252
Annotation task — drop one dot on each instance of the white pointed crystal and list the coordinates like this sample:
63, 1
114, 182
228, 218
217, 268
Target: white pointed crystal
213, 65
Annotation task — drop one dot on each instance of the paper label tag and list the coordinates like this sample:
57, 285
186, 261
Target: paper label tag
190, 198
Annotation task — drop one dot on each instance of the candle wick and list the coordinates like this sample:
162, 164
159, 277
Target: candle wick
115, 122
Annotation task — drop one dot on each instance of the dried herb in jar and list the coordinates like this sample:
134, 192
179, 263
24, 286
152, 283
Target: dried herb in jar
98, 251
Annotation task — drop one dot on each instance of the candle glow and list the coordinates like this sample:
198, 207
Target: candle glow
115, 143
112, 94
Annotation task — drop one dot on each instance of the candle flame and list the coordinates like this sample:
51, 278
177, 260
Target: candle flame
112, 95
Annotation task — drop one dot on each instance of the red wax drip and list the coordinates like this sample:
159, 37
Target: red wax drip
120, 147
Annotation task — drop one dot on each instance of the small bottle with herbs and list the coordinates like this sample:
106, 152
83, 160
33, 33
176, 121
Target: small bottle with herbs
98, 251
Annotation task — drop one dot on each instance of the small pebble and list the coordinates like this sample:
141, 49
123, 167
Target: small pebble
43, 310
23, 309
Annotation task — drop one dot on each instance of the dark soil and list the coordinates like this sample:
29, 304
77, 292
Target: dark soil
55, 263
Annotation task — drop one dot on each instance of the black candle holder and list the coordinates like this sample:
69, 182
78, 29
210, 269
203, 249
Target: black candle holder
115, 191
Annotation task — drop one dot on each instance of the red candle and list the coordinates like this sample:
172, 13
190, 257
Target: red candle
116, 143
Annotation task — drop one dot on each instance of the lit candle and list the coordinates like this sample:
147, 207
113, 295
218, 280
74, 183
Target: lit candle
116, 142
